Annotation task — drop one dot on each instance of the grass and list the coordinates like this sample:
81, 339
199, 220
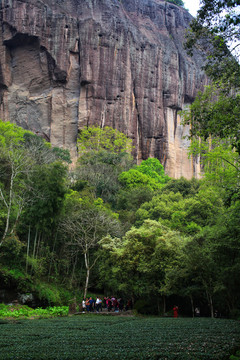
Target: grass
108, 337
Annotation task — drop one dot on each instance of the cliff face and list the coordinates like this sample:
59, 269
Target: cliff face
68, 63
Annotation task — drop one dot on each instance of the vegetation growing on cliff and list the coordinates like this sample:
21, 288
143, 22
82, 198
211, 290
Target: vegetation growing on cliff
215, 112
176, 2
216, 29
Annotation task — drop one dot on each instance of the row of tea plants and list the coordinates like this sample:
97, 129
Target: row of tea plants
117, 338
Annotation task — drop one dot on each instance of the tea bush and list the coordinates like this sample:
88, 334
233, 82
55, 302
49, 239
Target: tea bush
103, 337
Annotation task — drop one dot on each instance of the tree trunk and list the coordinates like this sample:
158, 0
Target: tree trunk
17, 219
87, 275
192, 305
158, 305
210, 300
86, 283
7, 224
73, 271
9, 205
211, 306
34, 249
38, 246
51, 261
164, 305
28, 246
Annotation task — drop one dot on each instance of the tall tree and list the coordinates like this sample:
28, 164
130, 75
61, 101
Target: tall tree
15, 167
28, 178
136, 263
83, 225
47, 184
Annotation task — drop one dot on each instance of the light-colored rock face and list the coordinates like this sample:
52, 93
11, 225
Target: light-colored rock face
65, 64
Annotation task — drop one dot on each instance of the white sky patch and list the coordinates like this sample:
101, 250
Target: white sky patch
192, 6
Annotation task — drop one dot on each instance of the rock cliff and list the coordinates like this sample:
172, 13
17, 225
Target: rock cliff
68, 63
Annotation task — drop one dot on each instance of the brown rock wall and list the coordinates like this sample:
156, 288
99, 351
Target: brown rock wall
65, 64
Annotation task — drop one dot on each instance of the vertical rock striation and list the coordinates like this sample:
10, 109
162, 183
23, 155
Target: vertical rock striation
69, 63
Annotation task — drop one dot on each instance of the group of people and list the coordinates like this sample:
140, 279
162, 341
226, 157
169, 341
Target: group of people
108, 303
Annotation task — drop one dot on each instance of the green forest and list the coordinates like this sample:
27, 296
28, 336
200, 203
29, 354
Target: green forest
108, 226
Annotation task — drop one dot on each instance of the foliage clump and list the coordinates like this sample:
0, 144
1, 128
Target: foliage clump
24, 311
150, 173
107, 138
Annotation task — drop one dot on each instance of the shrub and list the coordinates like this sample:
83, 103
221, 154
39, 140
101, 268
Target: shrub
145, 307
23, 311
235, 314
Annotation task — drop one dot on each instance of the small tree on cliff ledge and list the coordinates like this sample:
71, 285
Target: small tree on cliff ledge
177, 2
103, 154
94, 138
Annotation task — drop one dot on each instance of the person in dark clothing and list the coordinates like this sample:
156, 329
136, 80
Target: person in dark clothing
121, 304
109, 304
87, 304
91, 302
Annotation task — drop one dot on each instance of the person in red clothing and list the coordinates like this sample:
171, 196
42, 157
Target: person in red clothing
175, 311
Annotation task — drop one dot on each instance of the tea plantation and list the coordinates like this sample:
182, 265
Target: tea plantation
95, 337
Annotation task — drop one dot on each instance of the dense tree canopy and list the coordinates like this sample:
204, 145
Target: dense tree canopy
123, 229
139, 260
119, 228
